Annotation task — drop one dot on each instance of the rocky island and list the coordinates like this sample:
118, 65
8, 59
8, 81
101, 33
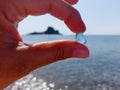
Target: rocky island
50, 30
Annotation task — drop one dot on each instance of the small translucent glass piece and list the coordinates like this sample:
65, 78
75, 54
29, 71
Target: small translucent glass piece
80, 38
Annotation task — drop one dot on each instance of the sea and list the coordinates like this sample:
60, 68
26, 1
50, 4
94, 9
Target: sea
100, 71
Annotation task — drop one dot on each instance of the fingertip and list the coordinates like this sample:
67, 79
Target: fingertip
73, 49
75, 23
72, 2
82, 52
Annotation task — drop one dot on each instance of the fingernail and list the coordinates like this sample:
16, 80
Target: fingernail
79, 53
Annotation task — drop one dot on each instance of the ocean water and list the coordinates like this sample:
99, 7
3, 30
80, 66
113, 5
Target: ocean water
100, 71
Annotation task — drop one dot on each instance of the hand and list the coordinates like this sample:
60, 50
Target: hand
17, 59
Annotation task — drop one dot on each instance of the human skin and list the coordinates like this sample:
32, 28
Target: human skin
17, 58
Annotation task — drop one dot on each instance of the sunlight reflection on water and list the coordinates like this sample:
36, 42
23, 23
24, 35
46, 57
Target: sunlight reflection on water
33, 83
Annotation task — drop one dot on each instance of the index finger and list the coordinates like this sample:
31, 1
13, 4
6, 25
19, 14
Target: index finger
60, 9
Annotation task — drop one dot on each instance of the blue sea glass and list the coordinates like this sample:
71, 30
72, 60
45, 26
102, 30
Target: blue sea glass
80, 38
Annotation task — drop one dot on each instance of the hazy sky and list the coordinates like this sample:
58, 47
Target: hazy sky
100, 17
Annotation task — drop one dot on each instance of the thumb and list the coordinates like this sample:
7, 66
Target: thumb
42, 54
26, 58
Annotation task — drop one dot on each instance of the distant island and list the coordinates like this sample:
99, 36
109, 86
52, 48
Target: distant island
50, 30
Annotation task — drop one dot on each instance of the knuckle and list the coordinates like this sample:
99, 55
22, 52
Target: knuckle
59, 53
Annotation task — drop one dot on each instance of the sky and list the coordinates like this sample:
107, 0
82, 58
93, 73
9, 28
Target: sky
101, 17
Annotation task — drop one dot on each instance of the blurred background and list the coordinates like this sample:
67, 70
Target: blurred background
100, 17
